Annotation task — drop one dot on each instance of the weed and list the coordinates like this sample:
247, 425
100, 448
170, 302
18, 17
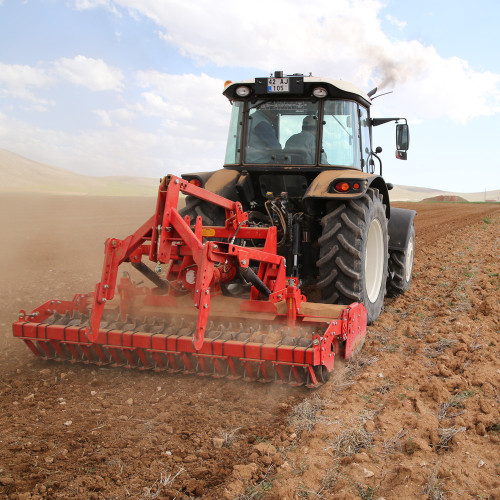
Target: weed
303, 492
444, 407
455, 402
446, 435
303, 467
386, 386
259, 490
432, 488
303, 417
330, 478
367, 493
166, 480
229, 437
486, 220
358, 364
352, 440
367, 396
465, 394
391, 347
260, 439
437, 348
410, 447
495, 428
392, 445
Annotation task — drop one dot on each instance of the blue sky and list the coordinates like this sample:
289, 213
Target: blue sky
120, 87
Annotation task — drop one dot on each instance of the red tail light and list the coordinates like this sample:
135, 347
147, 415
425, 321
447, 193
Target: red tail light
342, 187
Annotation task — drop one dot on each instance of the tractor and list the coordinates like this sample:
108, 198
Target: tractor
271, 268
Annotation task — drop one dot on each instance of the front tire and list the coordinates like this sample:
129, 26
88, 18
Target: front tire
401, 266
354, 253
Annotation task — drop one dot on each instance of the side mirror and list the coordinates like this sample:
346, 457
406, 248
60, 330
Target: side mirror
402, 137
402, 140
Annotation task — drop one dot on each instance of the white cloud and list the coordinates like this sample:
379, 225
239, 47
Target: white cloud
93, 74
26, 83
396, 22
187, 103
91, 4
21, 81
337, 38
192, 118
115, 116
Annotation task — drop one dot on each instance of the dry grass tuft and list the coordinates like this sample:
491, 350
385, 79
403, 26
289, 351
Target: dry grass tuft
446, 435
166, 481
330, 478
303, 417
386, 386
260, 489
229, 437
437, 348
453, 403
432, 488
351, 441
356, 365
393, 445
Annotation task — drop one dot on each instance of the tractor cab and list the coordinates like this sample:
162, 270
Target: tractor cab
315, 123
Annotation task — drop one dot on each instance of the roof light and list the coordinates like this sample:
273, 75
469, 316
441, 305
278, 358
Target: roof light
320, 92
227, 82
242, 91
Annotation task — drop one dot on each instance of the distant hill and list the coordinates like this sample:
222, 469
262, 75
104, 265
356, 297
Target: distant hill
444, 197
411, 193
19, 174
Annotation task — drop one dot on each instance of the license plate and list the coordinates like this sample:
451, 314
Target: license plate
278, 85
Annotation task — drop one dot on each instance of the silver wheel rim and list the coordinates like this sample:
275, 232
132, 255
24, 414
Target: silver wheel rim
374, 260
409, 259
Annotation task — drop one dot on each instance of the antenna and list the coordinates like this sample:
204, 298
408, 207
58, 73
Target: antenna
380, 95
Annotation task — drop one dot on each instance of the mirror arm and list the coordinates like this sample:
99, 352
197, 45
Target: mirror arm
381, 121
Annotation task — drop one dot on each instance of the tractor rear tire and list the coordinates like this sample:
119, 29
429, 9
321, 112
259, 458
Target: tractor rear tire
401, 266
353, 254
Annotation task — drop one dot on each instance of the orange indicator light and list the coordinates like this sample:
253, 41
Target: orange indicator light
342, 186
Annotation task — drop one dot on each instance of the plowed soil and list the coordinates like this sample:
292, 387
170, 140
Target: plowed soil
415, 415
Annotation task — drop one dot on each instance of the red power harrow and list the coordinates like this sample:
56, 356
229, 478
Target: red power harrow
274, 334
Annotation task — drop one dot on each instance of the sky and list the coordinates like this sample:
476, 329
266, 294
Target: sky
127, 87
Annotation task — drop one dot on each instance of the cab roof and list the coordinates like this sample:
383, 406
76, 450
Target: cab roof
335, 88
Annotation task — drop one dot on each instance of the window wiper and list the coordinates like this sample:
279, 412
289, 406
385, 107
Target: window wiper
340, 123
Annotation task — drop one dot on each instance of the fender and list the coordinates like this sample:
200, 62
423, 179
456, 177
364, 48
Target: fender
322, 187
221, 182
399, 227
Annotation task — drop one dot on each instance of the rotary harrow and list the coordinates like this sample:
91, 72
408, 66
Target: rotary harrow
185, 321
